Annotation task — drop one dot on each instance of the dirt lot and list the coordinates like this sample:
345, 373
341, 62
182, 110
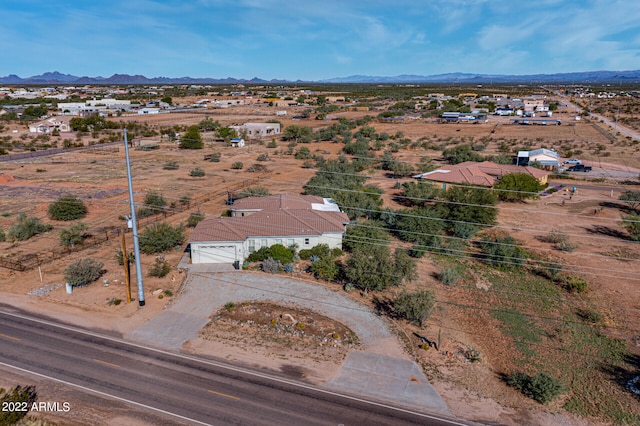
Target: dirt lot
472, 390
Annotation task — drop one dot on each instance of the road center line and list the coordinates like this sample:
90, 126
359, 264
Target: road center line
10, 337
223, 394
106, 363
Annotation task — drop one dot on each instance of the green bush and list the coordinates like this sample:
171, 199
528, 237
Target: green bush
3, 236
74, 235
67, 207
503, 252
26, 228
237, 165
575, 284
194, 219
197, 172
160, 237
83, 271
277, 252
215, 157
449, 276
632, 224
325, 269
20, 394
171, 165
120, 257
541, 387
160, 268
321, 250
415, 307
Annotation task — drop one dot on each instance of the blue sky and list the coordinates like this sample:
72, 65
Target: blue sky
316, 39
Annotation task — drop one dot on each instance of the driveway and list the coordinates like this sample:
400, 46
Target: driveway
381, 370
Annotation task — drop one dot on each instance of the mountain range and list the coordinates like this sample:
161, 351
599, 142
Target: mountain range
616, 77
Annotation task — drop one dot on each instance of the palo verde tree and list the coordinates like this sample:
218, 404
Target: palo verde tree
518, 187
67, 207
191, 139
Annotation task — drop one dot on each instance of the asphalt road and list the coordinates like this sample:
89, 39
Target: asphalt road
185, 389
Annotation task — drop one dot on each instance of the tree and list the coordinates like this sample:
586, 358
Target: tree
415, 307
83, 271
298, 133
363, 234
468, 204
26, 228
160, 237
460, 154
419, 193
33, 112
325, 268
191, 139
167, 100
226, 133
632, 199
419, 225
518, 186
370, 266
503, 252
72, 236
401, 169
208, 125
67, 207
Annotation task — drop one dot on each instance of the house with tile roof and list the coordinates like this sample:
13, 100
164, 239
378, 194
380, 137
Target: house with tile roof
483, 173
257, 222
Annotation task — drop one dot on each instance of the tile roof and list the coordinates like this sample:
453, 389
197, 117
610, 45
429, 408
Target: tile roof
279, 216
483, 173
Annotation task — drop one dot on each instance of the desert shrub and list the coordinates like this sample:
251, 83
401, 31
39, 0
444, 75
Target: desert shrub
26, 228
253, 191
503, 252
632, 224
215, 157
197, 172
21, 395
308, 164
415, 307
194, 218
160, 268
276, 252
575, 284
72, 236
325, 269
272, 144
449, 276
159, 237
590, 316
270, 266
67, 207
541, 387
463, 230
237, 165
3, 236
321, 250
263, 157
171, 165
83, 271
256, 168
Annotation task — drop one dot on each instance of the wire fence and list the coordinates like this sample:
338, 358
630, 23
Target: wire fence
33, 260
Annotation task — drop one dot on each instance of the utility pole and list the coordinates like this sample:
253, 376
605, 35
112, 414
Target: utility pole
134, 225
615, 129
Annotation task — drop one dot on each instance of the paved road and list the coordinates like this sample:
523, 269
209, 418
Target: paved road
185, 389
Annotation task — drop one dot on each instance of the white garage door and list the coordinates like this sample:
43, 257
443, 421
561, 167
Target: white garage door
217, 254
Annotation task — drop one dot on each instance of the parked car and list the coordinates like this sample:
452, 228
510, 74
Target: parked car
573, 161
579, 168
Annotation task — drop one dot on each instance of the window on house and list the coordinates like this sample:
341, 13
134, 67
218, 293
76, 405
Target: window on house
252, 246
263, 243
289, 242
306, 241
278, 241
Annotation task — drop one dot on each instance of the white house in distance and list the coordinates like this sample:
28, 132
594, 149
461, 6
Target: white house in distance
544, 157
256, 222
258, 129
237, 142
60, 123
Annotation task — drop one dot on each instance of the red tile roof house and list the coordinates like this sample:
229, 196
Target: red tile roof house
257, 222
483, 173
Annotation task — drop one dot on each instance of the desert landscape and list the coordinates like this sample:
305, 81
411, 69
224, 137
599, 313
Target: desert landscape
487, 322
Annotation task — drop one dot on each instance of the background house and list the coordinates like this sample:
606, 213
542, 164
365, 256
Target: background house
258, 129
47, 126
256, 222
483, 173
542, 156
